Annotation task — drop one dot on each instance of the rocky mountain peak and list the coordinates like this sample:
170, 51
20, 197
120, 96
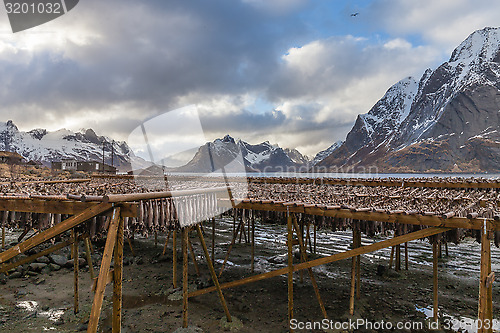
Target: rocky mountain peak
482, 45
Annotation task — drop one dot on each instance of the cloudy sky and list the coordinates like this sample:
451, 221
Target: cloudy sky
294, 72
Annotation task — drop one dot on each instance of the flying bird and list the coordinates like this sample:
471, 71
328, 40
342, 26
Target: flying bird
354, 14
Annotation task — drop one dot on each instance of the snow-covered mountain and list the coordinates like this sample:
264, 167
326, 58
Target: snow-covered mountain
449, 120
325, 153
263, 157
44, 146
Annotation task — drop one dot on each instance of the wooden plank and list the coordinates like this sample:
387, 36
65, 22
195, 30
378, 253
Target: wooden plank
159, 195
107, 256
58, 207
325, 260
54, 231
118, 280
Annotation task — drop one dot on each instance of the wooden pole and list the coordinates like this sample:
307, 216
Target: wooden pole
485, 315
290, 268
435, 278
391, 257
213, 274
326, 260
3, 238
252, 268
233, 241
174, 258
88, 253
311, 274
130, 246
185, 240
213, 241
193, 256
398, 258
314, 238
166, 243
406, 256
107, 256
75, 268
353, 271
358, 265
117, 279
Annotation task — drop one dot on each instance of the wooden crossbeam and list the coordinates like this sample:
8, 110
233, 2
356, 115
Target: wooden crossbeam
59, 207
54, 231
325, 260
416, 219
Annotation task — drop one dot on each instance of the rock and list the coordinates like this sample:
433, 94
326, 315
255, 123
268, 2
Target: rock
58, 259
59, 321
43, 260
37, 267
3, 279
233, 326
54, 267
81, 263
15, 275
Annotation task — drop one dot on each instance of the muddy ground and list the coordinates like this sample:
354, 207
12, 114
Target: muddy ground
38, 302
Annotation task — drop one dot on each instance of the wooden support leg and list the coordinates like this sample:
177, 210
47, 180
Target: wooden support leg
391, 259
311, 274
253, 245
353, 275
435, 278
117, 280
290, 268
3, 238
75, 268
213, 241
214, 275
107, 255
446, 249
358, 266
166, 243
193, 256
130, 246
315, 238
174, 259
235, 235
88, 253
398, 258
406, 256
485, 315
185, 240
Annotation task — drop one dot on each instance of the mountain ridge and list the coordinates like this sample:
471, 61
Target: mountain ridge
436, 123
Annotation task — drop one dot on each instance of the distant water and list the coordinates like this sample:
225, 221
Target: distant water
351, 175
